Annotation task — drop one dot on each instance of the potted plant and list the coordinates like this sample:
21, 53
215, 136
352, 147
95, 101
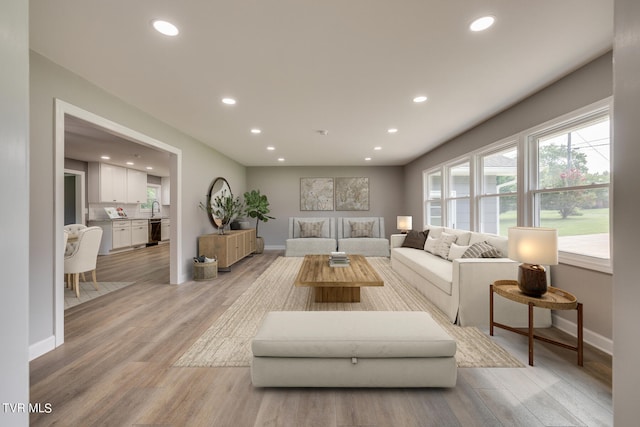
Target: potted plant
257, 206
223, 209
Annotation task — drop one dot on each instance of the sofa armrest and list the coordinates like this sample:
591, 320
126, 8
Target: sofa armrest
397, 240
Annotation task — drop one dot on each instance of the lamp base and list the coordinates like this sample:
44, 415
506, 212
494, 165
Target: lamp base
532, 280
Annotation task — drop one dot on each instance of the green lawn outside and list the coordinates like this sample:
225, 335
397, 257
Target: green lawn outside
592, 221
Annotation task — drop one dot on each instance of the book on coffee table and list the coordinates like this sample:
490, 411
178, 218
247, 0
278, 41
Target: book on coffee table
338, 259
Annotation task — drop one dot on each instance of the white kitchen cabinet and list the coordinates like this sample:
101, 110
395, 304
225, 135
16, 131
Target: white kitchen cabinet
121, 234
165, 183
165, 229
139, 232
107, 183
136, 186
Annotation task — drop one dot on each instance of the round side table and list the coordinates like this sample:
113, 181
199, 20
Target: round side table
554, 299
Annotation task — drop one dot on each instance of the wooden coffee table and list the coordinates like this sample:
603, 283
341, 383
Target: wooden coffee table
337, 284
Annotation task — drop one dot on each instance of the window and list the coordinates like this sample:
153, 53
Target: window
153, 195
458, 199
432, 198
561, 181
498, 200
571, 191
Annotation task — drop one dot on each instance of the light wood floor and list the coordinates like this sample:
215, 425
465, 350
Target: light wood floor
115, 369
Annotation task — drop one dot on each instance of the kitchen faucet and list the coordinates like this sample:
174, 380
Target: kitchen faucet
155, 202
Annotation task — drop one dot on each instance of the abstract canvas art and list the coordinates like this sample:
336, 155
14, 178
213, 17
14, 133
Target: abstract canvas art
352, 194
316, 194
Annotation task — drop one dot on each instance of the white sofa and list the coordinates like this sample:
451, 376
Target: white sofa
373, 245
460, 287
323, 243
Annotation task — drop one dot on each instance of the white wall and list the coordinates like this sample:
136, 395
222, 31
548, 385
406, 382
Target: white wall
589, 84
281, 184
626, 204
14, 175
200, 164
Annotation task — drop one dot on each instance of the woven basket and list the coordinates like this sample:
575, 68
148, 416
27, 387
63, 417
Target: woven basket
205, 270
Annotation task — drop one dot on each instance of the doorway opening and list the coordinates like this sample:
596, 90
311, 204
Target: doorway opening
64, 109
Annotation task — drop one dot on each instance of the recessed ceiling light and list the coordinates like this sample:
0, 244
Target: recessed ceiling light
482, 24
149, 168
392, 130
256, 131
377, 148
271, 148
281, 159
228, 101
367, 159
420, 98
164, 27
105, 157
130, 163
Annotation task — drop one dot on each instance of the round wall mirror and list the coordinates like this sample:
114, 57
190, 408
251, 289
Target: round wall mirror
217, 188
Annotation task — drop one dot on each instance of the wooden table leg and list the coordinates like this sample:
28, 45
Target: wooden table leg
580, 343
530, 334
491, 309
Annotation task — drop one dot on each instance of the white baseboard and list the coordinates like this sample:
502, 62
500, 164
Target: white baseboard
598, 341
275, 247
38, 349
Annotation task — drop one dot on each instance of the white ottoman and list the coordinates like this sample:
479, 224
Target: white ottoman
352, 349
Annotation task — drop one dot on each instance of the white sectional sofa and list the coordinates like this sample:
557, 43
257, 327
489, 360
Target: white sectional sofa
460, 286
319, 239
371, 242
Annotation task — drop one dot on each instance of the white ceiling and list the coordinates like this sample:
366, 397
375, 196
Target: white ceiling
298, 66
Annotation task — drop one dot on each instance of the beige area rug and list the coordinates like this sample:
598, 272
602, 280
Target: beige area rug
227, 342
88, 292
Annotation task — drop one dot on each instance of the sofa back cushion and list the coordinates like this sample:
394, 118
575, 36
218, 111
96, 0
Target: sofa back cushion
499, 242
347, 225
327, 227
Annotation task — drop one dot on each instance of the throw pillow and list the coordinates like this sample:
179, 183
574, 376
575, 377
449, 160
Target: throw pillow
361, 228
430, 245
444, 244
456, 251
482, 250
415, 239
311, 229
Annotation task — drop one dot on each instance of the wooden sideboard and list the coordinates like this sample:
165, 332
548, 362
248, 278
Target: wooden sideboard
229, 247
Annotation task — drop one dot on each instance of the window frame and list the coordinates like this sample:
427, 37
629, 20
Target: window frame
158, 188
567, 123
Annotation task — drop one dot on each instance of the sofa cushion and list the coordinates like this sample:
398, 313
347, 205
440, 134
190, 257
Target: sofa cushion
434, 269
456, 251
499, 242
444, 244
415, 239
434, 230
463, 235
310, 229
482, 250
430, 244
361, 228
363, 334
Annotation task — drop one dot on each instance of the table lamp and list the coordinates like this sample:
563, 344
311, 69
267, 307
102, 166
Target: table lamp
404, 223
533, 246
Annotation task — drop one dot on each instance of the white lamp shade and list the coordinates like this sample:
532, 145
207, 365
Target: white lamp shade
534, 245
404, 222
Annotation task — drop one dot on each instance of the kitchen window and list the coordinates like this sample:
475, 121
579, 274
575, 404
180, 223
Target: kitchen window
153, 194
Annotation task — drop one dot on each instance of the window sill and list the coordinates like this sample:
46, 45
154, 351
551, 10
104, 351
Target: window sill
602, 265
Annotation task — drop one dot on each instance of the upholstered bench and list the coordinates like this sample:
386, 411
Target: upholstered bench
352, 349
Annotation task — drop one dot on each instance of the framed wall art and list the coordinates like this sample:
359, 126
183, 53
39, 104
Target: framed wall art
352, 194
316, 194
